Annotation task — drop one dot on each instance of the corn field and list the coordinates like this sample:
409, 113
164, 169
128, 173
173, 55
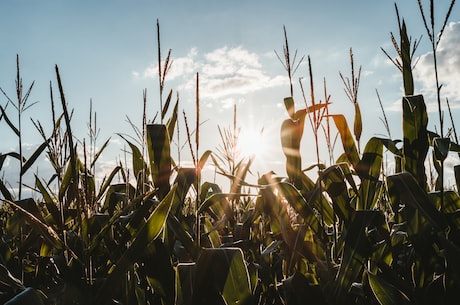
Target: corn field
152, 232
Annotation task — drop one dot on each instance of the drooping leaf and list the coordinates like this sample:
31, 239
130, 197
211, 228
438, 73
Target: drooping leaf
298, 202
333, 181
139, 164
5, 192
26, 297
10, 154
405, 187
348, 143
384, 292
99, 152
8, 121
7, 279
107, 182
441, 148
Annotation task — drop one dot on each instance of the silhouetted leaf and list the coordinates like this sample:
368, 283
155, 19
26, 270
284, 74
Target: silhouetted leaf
222, 278
405, 187
158, 146
415, 120
348, 143
384, 292
8, 122
369, 169
26, 297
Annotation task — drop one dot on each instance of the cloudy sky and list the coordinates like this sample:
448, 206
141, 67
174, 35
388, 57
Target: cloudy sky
107, 52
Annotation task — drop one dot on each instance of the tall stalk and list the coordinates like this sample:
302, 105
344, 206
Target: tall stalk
435, 40
21, 106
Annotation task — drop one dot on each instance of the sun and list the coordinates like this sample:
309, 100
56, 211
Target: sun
252, 143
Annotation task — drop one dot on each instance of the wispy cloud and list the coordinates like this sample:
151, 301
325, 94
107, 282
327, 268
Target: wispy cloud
224, 73
448, 59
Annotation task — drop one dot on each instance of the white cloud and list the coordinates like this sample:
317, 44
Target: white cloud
448, 59
224, 73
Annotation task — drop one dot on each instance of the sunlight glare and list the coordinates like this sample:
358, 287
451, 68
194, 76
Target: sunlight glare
252, 143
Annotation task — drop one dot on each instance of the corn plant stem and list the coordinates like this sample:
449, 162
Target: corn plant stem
197, 163
19, 101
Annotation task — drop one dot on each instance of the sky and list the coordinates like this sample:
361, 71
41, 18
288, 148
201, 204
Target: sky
106, 52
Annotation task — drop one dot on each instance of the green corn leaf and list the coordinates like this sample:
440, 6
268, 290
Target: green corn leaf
384, 292
298, 202
70, 180
49, 202
10, 154
166, 105
204, 158
34, 157
159, 150
222, 278
358, 123
441, 148
139, 164
405, 187
183, 235
5, 192
8, 121
185, 280
357, 250
157, 267
369, 168
172, 121
415, 149
406, 62
333, 181
144, 236
100, 151
107, 182
348, 143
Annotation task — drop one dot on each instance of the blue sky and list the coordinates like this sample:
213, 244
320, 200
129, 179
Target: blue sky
106, 52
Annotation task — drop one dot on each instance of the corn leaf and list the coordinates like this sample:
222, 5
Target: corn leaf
348, 143
8, 122
384, 292
357, 250
415, 120
222, 278
405, 187
141, 240
300, 205
27, 296
369, 168
158, 146
139, 164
